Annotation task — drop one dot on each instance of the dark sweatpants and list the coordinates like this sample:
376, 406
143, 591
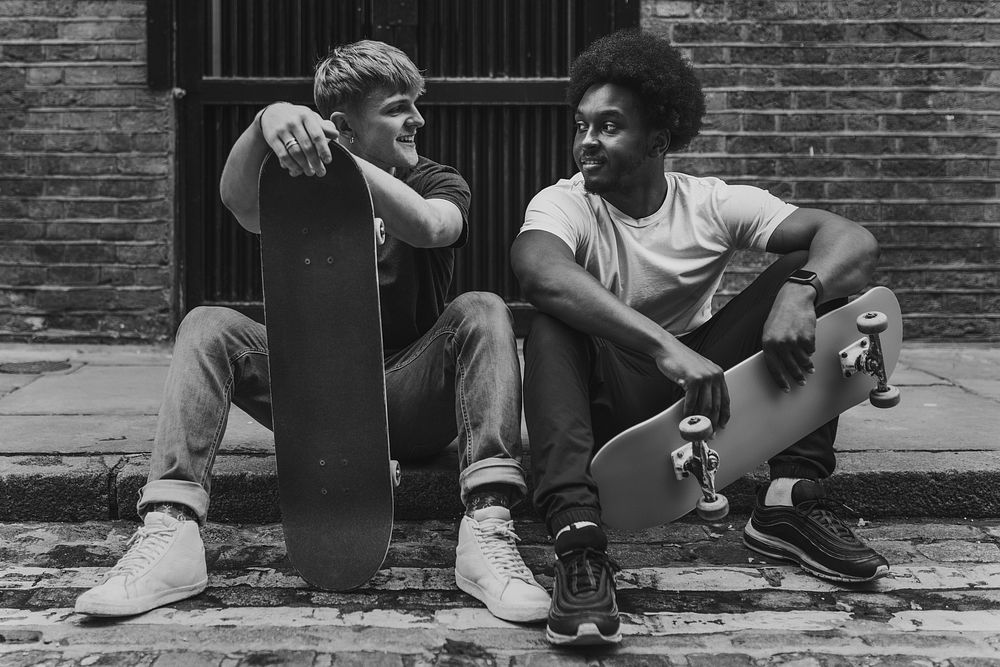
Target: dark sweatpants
580, 391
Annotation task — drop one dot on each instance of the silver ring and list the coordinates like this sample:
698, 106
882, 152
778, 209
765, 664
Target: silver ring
290, 143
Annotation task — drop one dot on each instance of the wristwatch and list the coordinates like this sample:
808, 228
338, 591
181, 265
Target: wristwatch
806, 277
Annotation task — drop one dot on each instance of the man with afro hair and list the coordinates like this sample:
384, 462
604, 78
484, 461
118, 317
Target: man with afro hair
622, 261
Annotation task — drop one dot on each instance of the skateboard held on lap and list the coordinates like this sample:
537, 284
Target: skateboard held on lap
659, 470
319, 242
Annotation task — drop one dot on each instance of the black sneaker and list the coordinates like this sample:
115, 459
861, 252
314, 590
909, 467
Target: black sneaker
810, 534
583, 610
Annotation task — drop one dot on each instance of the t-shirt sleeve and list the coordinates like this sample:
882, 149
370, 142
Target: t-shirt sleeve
439, 181
750, 214
557, 211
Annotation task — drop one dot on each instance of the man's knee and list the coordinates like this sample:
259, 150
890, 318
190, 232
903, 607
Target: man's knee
206, 325
482, 310
548, 333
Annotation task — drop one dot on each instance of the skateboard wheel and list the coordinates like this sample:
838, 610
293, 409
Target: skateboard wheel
394, 472
884, 399
713, 510
696, 427
379, 231
872, 322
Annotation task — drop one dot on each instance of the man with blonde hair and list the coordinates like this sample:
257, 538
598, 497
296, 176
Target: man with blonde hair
451, 370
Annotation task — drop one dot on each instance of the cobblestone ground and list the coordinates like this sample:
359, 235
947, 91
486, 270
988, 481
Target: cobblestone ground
690, 595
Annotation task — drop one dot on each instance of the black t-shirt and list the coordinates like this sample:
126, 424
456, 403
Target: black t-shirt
414, 282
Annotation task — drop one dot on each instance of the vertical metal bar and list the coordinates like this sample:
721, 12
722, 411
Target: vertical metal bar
248, 37
160, 44
626, 13
492, 246
474, 38
222, 39
191, 21
558, 34
279, 54
508, 197
502, 20
524, 39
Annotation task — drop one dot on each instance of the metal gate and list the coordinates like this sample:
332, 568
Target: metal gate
496, 73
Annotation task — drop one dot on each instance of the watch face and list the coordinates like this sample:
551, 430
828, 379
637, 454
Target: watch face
802, 275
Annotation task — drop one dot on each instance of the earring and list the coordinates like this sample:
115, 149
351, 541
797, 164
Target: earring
352, 138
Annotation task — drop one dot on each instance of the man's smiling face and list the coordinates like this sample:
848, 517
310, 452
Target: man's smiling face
385, 125
612, 139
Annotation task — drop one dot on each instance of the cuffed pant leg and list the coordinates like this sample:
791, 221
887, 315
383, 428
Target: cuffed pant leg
220, 356
557, 371
461, 382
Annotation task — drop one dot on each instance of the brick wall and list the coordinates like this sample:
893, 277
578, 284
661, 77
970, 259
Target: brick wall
884, 111
86, 175
887, 112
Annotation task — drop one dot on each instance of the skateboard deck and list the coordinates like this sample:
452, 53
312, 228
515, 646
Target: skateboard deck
321, 309
637, 471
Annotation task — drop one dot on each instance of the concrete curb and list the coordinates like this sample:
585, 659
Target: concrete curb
875, 484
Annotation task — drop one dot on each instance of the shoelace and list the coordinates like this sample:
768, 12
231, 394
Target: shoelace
143, 548
498, 542
822, 511
584, 567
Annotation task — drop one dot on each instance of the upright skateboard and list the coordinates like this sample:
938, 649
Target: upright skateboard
321, 306
659, 470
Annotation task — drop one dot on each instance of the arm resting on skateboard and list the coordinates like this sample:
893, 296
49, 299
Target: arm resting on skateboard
843, 254
557, 285
408, 216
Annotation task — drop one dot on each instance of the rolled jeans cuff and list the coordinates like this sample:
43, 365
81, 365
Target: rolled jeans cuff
182, 492
493, 471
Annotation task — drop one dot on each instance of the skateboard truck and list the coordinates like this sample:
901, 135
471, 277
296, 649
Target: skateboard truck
697, 458
865, 356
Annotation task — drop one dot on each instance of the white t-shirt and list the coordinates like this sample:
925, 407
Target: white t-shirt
668, 265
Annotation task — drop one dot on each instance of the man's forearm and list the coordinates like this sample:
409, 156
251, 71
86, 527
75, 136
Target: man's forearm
408, 216
238, 186
571, 294
844, 262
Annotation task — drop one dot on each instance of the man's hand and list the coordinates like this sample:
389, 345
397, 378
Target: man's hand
299, 137
703, 382
789, 336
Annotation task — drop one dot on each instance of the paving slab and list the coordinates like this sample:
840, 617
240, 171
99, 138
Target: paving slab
114, 434
941, 417
114, 355
936, 453
973, 367
13, 381
90, 390
909, 377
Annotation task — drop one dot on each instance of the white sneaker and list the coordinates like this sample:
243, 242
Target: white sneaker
165, 562
489, 568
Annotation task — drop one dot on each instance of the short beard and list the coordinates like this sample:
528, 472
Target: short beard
599, 189
612, 185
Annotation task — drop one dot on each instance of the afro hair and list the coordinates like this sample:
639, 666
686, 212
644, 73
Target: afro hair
665, 82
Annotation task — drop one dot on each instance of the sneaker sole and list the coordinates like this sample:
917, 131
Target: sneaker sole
502, 610
586, 635
139, 605
781, 550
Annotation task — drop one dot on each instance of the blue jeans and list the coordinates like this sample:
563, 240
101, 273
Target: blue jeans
460, 381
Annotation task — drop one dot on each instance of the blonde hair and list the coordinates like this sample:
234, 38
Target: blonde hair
351, 72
